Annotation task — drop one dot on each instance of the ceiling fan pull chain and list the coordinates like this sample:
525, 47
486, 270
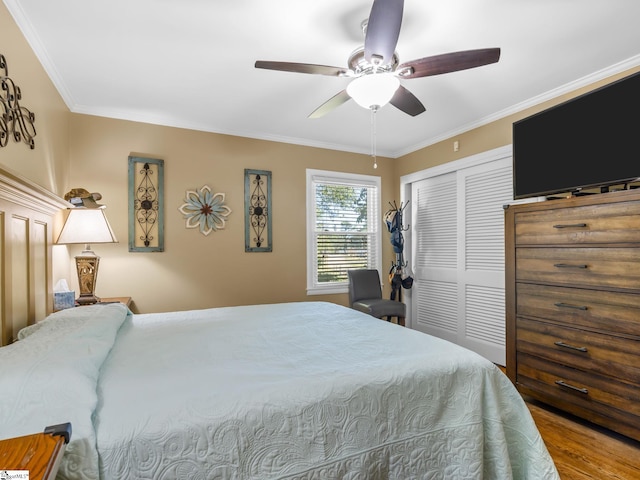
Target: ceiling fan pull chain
374, 110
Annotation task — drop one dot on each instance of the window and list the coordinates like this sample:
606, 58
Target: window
343, 228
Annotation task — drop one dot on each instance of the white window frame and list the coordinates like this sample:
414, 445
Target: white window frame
340, 178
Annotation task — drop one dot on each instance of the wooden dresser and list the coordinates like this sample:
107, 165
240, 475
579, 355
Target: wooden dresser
573, 305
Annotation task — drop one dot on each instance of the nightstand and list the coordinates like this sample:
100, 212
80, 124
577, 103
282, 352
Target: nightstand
39, 454
124, 300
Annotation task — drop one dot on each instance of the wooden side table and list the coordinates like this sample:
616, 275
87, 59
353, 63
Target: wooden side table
124, 300
39, 454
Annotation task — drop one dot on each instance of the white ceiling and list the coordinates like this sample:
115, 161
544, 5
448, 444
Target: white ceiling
190, 63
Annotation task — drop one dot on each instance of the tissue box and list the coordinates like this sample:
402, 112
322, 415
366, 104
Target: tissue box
62, 300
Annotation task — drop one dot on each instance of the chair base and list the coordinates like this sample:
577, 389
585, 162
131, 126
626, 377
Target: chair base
369, 308
399, 320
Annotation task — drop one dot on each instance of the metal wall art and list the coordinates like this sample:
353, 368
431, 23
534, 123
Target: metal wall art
258, 213
15, 121
205, 210
146, 204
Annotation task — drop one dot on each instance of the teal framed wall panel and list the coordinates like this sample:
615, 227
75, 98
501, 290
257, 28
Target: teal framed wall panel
146, 204
258, 213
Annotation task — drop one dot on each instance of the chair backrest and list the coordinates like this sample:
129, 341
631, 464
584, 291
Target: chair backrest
364, 284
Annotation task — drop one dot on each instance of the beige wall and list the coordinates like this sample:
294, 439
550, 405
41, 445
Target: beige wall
46, 165
197, 271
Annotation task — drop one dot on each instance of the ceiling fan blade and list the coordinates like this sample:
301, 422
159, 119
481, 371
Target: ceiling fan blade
331, 104
406, 101
383, 30
448, 62
302, 68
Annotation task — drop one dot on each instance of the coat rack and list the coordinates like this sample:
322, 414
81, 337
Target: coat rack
399, 276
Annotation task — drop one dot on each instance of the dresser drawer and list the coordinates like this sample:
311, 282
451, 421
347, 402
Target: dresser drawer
598, 398
609, 223
597, 353
605, 311
577, 385
617, 268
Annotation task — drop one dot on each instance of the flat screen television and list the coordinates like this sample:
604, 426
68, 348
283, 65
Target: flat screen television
589, 141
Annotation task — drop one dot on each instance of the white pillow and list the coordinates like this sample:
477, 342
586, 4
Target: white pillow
50, 377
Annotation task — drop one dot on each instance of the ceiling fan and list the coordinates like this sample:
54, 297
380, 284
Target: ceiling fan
376, 69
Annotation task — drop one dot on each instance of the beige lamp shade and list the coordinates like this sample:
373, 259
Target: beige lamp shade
86, 225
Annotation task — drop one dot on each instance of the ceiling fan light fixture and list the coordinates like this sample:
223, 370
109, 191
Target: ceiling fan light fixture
373, 90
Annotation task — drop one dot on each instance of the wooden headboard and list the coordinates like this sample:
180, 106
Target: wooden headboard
27, 212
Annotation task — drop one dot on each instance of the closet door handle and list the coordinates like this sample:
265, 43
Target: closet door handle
568, 305
570, 347
569, 265
574, 225
572, 387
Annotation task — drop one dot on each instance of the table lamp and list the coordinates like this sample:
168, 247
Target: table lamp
86, 226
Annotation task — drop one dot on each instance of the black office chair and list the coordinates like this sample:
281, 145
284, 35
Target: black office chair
365, 295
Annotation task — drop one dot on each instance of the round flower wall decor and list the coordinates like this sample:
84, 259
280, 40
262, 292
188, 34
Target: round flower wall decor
205, 210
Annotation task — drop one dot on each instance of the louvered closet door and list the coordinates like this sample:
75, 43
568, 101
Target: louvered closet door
458, 256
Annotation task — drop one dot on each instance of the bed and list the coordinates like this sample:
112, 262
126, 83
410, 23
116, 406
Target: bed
308, 390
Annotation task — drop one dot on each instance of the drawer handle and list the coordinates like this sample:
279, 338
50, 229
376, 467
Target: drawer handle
569, 265
575, 225
572, 387
571, 347
568, 305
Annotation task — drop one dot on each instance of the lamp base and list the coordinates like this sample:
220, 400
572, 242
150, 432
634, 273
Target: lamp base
87, 299
87, 267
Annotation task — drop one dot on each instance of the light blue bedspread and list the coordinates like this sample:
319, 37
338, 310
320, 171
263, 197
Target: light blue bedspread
299, 390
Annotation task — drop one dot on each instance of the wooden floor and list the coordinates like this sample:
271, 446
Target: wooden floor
583, 451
